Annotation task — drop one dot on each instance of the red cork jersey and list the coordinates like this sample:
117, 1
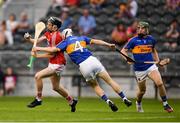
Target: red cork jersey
54, 38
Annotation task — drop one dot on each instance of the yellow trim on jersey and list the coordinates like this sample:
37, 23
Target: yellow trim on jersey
142, 49
71, 48
91, 41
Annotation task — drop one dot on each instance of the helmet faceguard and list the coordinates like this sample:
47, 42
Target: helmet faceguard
67, 32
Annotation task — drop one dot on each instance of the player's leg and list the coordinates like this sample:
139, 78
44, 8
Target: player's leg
156, 77
39, 86
99, 91
116, 87
55, 79
140, 92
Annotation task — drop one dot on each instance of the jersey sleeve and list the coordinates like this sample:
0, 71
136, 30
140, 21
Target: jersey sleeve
129, 45
62, 45
153, 42
87, 40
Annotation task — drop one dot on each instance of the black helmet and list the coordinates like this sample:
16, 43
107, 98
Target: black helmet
55, 21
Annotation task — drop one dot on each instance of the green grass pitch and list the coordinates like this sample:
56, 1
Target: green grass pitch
53, 109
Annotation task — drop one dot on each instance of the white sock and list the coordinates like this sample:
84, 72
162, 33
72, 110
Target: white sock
38, 99
165, 103
107, 101
125, 98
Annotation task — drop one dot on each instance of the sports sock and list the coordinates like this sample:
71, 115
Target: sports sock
121, 94
164, 99
69, 99
104, 97
39, 96
138, 102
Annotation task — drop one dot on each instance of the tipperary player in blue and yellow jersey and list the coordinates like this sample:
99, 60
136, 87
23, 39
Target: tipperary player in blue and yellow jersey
143, 49
75, 47
89, 66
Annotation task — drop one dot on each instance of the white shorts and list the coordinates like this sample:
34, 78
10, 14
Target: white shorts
142, 75
58, 68
90, 68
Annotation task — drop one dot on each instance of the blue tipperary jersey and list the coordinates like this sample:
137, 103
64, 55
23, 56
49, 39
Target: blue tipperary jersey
76, 48
142, 49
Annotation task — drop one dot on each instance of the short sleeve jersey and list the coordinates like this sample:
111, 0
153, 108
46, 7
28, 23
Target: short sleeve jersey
142, 49
76, 48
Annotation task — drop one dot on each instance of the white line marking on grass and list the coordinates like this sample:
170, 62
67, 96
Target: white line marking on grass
129, 118
101, 119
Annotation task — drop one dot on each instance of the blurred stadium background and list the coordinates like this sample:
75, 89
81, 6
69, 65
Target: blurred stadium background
107, 16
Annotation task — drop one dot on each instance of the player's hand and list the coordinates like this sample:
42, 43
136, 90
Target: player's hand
33, 53
35, 49
164, 62
112, 46
130, 62
27, 36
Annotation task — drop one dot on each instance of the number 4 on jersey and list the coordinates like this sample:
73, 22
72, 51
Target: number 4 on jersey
78, 46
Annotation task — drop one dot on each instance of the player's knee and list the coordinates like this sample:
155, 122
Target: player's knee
37, 76
159, 85
55, 88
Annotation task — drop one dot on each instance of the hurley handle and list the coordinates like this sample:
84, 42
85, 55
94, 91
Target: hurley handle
31, 60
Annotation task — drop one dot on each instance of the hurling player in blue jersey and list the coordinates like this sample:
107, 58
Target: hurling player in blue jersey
143, 49
89, 66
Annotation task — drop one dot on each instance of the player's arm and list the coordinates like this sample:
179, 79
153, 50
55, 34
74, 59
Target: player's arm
29, 38
100, 42
46, 49
42, 55
124, 51
155, 55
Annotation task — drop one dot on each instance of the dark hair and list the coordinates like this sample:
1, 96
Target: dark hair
3, 22
55, 21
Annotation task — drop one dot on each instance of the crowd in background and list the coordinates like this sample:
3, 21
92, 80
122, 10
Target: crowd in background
13, 28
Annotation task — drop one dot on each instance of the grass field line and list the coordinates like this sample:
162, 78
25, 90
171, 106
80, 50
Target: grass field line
105, 119
129, 118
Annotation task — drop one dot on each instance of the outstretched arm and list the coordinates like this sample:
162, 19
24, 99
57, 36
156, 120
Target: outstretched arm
46, 49
42, 55
100, 42
29, 38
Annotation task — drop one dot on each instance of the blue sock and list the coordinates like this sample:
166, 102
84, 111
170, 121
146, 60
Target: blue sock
121, 94
104, 97
164, 98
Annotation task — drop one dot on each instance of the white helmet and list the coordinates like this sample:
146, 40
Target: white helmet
67, 32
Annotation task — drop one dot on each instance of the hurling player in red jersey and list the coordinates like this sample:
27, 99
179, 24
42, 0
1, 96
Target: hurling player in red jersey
56, 64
